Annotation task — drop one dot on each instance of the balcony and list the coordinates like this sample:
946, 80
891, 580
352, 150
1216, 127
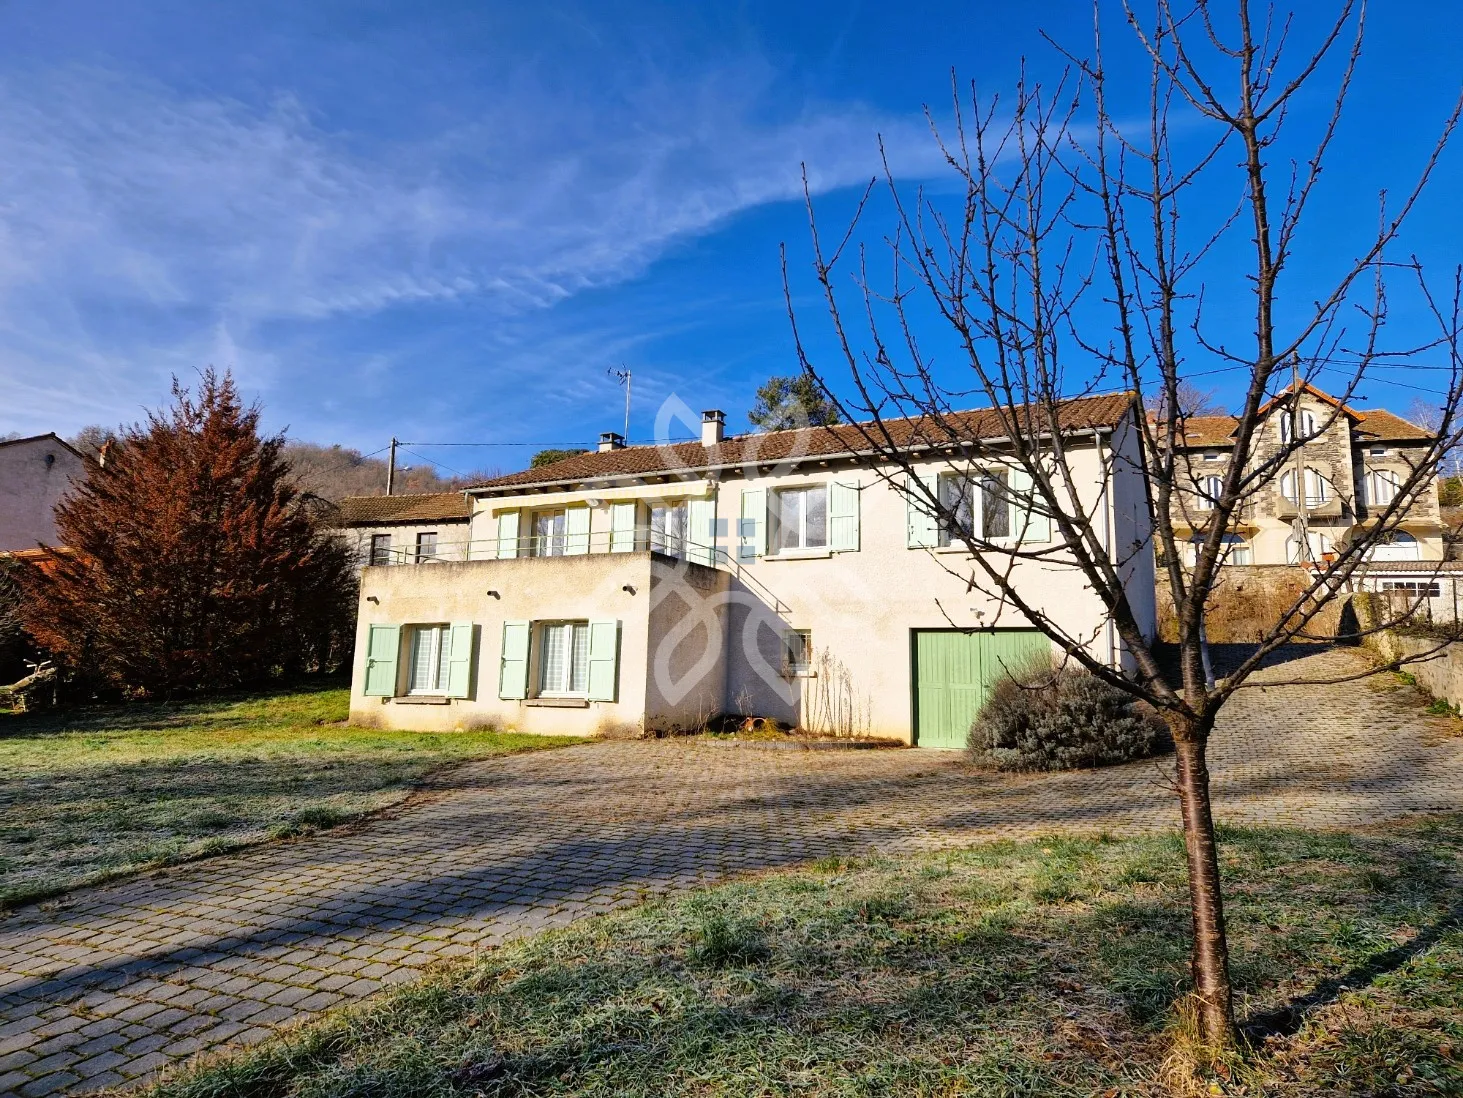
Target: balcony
636, 540
1328, 506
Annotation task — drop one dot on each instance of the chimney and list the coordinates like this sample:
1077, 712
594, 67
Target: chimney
713, 426
611, 440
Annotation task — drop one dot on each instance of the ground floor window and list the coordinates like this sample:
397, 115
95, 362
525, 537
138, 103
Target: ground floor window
431, 651
1234, 550
1311, 551
563, 659
797, 652
1416, 588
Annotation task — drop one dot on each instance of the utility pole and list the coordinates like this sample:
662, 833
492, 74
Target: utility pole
1303, 528
391, 468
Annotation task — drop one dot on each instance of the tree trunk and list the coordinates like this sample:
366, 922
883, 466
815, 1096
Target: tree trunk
1210, 958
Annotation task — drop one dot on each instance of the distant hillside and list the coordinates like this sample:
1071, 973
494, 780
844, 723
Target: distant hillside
335, 472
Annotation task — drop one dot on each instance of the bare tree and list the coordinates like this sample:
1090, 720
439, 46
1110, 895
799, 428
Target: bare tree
1076, 258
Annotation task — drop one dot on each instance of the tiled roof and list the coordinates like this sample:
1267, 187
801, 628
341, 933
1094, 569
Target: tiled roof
1384, 426
1209, 430
1417, 567
380, 510
775, 446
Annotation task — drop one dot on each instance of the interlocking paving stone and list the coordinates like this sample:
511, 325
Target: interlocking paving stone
123, 980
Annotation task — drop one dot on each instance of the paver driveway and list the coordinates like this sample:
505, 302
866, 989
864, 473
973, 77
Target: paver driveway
118, 981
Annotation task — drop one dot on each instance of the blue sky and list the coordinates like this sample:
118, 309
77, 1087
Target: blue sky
448, 221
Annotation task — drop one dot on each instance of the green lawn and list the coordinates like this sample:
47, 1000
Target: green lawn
1042, 968
92, 793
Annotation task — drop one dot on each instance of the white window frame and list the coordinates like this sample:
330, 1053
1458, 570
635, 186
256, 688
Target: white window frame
1307, 424
1234, 550
438, 659
666, 542
1319, 544
973, 501
544, 545
775, 524
792, 667
565, 687
1377, 477
1430, 589
1210, 489
1211, 455
1317, 487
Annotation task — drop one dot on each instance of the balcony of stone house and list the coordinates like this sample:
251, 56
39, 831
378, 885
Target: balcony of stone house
553, 542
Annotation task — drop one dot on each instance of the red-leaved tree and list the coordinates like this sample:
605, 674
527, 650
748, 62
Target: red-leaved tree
192, 560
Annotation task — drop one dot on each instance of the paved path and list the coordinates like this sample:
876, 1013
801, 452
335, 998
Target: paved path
116, 982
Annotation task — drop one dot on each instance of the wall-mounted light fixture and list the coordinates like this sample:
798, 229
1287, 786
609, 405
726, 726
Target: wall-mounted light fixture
495, 594
594, 501
373, 598
627, 588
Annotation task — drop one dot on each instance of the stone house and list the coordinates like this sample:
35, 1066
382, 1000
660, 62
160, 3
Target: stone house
35, 473
1350, 466
779, 575
412, 529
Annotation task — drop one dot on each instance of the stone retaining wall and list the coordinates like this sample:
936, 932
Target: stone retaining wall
1248, 602
1441, 675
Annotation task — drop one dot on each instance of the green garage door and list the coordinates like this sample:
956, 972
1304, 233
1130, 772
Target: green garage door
954, 673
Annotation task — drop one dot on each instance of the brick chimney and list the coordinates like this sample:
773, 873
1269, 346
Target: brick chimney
713, 426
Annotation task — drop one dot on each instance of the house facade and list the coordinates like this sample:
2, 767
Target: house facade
778, 575
1348, 469
35, 474
425, 528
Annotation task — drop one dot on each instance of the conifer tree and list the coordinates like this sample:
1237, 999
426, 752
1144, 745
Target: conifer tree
192, 560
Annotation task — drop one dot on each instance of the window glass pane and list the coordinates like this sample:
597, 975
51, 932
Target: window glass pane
552, 677
380, 548
995, 509
798, 648
579, 659
668, 527
548, 534
815, 518
790, 515
426, 546
430, 646
657, 528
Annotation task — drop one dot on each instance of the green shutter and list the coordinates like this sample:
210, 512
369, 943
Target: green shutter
604, 660
701, 531
576, 531
513, 668
843, 517
622, 528
1029, 520
923, 531
382, 644
507, 534
459, 660
752, 528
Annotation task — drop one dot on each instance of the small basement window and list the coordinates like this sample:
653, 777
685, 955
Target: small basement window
797, 653
431, 649
563, 670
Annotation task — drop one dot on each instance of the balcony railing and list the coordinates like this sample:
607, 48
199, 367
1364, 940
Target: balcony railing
639, 539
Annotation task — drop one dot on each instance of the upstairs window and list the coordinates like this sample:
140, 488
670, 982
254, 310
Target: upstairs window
431, 649
668, 528
1211, 455
977, 506
563, 659
799, 519
380, 548
1305, 418
1210, 489
426, 546
1382, 486
548, 534
1317, 488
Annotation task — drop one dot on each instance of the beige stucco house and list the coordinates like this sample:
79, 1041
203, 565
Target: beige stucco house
423, 528
777, 575
1349, 466
35, 473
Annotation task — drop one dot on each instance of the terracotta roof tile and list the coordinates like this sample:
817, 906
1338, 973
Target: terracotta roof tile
379, 510
1384, 426
1205, 431
774, 446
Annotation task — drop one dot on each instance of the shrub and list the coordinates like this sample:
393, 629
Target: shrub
1043, 718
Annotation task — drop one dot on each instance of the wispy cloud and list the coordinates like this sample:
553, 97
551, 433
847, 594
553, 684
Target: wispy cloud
143, 230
